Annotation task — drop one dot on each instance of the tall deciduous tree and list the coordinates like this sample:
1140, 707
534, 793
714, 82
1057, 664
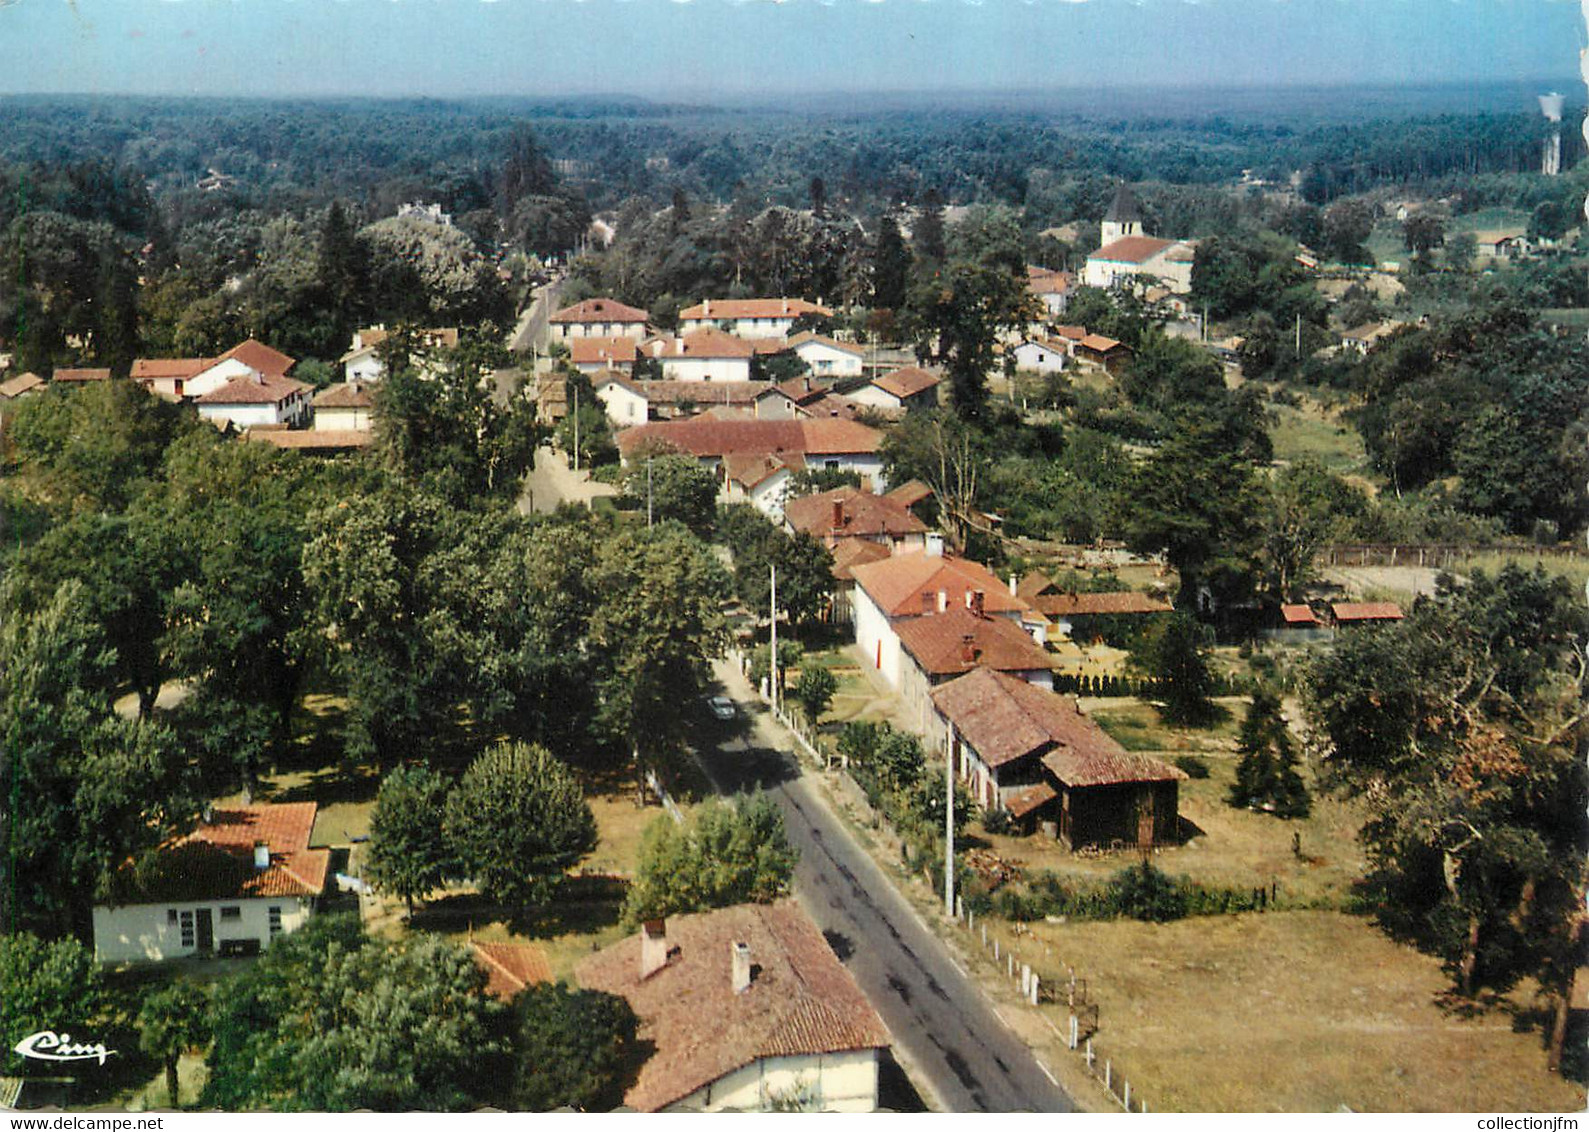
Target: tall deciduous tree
49, 985
409, 854
571, 1048
1175, 654
517, 821
172, 1022
736, 852
677, 487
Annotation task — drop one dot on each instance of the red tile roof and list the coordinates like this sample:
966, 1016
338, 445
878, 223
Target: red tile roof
1131, 249
1041, 281
150, 369
20, 384
600, 310
81, 375
700, 344
731, 309
896, 585
1099, 343
250, 390
510, 967
800, 1003
1004, 719
956, 641
316, 439
1366, 611
704, 437
261, 358
802, 390
1095, 605
910, 493
345, 395
849, 553
862, 514
702, 393
906, 382
1032, 798
751, 471
602, 351
806, 336
216, 860
1073, 333
1298, 615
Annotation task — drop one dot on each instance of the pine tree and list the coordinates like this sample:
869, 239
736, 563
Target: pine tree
929, 234
1266, 776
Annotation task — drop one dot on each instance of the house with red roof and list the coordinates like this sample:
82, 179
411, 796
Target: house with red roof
243, 877
74, 376
944, 646
1027, 750
903, 390
1051, 288
907, 586
850, 513
744, 1009
254, 399
598, 318
187, 379
707, 354
1129, 257
828, 357
749, 318
510, 967
592, 355
1350, 614
835, 444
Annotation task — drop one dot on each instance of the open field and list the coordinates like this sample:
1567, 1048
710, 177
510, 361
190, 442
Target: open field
1312, 430
1136, 726
1301, 1011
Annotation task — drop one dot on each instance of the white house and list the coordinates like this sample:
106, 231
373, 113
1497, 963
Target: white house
906, 389
1128, 256
186, 379
363, 363
344, 408
744, 1009
749, 318
598, 318
596, 355
850, 513
623, 398
256, 399
914, 585
245, 876
1041, 355
937, 648
763, 481
1051, 289
827, 357
702, 355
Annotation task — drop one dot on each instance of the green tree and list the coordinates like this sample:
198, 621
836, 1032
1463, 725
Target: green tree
1308, 506
815, 690
1266, 774
409, 854
928, 237
678, 488
173, 1021
1347, 226
890, 265
517, 821
657, 623
734, 852
1175, 654
49, 985
330, 1021
571, 1048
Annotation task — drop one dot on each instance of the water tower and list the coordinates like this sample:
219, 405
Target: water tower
1550, 106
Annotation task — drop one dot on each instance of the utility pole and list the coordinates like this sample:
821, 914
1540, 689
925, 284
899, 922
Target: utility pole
648, 491
949, 826
576, 428
772, 662
1299, 336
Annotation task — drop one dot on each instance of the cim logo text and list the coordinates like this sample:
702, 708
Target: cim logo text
47, 1045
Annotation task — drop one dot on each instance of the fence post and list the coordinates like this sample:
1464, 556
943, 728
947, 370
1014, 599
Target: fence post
995, 949
1035, 982
960, 908
1026, 979
984, 935
1075, 1032
1009, 964
1108, 1074
1089, 1055
1128, 1096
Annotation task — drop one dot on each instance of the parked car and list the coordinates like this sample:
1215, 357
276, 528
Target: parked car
721, 706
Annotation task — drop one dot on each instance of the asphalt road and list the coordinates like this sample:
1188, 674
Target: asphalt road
942, 1025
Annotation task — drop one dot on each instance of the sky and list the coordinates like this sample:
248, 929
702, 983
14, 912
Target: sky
682, 49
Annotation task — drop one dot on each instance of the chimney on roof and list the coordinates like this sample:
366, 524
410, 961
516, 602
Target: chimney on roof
979, 601
739, 955
934, 545
261, 855
786, 306
968, 648
838, 514
928, 602
653, 947
943, 600
706, 308
1013, 588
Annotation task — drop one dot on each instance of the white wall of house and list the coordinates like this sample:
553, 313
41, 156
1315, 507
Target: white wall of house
135, 932
209, 380
367, 368
775, 407
1038, 358
624, 406
563, 331
875, 636
828, 1082
705, 369
867, 465
825, 361
342, 419
246, 416
742, 327
872, 395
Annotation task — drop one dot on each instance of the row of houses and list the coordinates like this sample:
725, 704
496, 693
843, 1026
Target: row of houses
742, 1008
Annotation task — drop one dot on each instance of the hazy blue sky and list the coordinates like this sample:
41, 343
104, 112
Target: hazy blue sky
692, 47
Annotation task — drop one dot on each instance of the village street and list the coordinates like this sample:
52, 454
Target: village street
945, 1033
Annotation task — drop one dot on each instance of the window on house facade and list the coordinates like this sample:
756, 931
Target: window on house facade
171, 915
275, 919
187, 929
233, 912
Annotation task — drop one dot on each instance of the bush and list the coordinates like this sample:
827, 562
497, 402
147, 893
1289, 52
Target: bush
997, 821
1192, 765
1145, 893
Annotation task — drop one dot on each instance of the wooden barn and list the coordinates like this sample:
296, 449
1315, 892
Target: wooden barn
1030, 751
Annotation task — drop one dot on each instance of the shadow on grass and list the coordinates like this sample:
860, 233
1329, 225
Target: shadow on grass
581, 906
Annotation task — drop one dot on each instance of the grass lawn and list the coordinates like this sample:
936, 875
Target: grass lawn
1136, 726
1575, 570
1311, 430
1293, 1011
